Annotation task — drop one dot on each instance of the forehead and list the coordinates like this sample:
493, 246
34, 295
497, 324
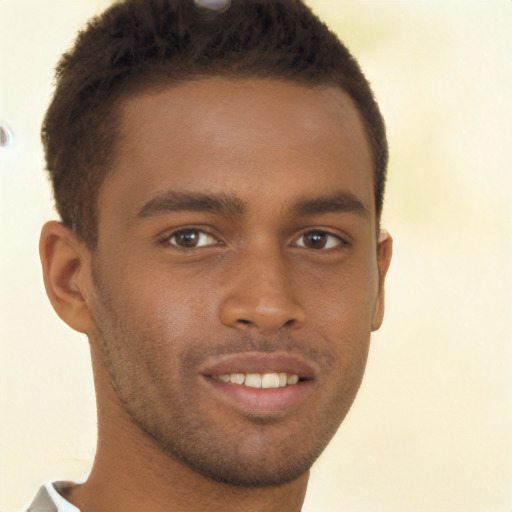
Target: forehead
252, 138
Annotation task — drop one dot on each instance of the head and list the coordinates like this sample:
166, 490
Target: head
139, 46
220, 183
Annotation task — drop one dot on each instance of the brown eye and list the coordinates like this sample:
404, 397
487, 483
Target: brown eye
315, 240
192, 238
319, 240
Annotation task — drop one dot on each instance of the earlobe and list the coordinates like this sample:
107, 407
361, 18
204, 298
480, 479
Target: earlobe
63, 261
384, 254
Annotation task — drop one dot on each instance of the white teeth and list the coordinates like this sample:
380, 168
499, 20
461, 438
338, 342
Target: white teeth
292, 379
260, 380
237, 378
270, 380
253, 380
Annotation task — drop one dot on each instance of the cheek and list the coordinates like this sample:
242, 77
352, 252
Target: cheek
176, 311
342, 315
344, 299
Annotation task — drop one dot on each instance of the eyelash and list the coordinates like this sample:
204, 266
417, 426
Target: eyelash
201, 232
332, 241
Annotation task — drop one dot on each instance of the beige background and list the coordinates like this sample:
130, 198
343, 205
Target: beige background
431, 430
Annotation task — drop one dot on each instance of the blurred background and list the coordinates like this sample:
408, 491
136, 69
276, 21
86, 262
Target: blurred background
431, 429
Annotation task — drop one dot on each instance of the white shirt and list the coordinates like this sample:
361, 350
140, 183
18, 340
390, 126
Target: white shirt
62, 504
48, 499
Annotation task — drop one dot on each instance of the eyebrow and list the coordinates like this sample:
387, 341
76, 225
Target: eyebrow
233, 206
175, 201
338, 202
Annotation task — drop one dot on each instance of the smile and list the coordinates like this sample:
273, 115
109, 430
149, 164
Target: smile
264, 384
260, 380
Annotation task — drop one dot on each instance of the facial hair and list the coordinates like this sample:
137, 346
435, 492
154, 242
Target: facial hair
161, 399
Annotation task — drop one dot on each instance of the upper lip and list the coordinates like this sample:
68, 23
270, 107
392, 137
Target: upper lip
260, 362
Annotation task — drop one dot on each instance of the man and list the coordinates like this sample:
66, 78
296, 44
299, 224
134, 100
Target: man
219, 170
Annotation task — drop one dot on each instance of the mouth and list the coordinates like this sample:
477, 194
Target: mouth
260, 383
260, 380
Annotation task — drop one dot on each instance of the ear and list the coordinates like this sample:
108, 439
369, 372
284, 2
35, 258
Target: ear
65, 262
384, 253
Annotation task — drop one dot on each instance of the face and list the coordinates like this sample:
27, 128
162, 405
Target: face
236, 276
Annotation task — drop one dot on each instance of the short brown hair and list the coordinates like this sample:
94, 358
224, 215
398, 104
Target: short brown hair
141, 45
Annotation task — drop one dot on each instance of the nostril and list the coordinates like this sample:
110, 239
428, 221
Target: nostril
266, 314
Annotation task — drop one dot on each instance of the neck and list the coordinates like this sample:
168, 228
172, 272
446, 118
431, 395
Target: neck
131, 473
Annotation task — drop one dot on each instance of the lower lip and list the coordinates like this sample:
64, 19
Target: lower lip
262, 400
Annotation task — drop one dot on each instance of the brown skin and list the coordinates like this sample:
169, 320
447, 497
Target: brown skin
160, 316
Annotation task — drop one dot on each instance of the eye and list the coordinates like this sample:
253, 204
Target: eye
191, 239
318, 239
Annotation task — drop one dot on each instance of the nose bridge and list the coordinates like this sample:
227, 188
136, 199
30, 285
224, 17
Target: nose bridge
260, 294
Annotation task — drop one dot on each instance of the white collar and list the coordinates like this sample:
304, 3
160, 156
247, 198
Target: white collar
62, 504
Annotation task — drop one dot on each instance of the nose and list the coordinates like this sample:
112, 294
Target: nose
260, 295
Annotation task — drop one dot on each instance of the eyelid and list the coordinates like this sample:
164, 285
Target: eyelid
343, 241
165, 239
